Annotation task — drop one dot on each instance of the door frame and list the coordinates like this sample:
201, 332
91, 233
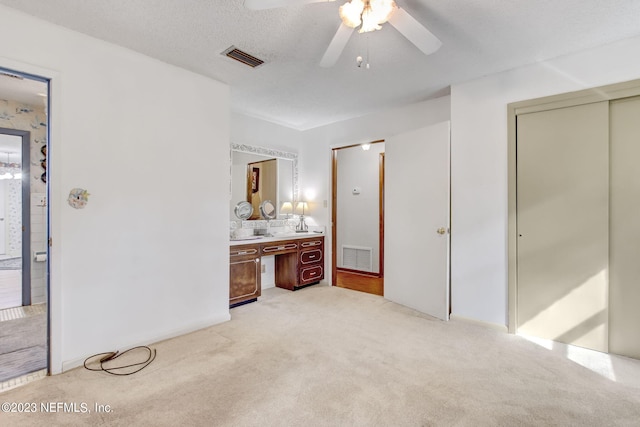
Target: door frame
49, 77
569, 99
25, 136
334, 214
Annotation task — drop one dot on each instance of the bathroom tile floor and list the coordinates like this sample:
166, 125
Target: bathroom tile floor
23, 345
22, 312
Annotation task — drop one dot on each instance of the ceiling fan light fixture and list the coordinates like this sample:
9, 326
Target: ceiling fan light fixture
350, 13
381, 10
370, 13
369, 21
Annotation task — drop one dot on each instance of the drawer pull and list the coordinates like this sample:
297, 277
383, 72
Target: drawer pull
312, 256
307, 244
279, 248
313, 273
243, 252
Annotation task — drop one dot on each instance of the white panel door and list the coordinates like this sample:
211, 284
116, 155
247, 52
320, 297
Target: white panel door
563, 222
417, 219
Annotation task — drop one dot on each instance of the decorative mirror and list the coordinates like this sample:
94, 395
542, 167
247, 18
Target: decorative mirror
243, 210
268, 210
279, 185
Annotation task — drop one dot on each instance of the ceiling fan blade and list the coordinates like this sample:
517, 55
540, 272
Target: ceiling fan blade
338, 42
415, 32
272, 4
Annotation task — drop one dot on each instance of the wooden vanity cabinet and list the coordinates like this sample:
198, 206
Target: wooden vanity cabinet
311, 261
244, 274
298, 263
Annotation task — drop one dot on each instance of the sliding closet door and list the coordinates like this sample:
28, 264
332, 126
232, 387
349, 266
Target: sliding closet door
563, 222
624, 314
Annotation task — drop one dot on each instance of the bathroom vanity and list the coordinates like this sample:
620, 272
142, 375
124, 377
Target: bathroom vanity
299, 261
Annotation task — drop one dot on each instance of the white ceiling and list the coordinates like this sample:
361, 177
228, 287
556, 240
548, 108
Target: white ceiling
479, 37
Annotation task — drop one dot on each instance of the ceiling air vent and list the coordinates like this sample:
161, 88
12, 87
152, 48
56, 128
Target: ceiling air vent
250, 60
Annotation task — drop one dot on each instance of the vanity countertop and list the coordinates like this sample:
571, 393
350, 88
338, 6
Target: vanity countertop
280, 236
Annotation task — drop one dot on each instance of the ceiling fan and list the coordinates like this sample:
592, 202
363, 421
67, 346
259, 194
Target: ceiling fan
368, 15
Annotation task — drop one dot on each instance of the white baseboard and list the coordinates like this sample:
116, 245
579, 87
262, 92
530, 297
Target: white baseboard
494, 326
74, 363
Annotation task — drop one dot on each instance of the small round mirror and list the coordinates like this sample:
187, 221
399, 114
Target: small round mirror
243, 210
268, 210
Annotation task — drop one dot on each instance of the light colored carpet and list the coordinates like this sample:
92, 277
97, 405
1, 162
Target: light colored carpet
326, 356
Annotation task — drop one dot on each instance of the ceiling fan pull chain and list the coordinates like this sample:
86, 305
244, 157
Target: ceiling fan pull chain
367, 52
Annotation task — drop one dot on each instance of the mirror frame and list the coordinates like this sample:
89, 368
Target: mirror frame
267, 152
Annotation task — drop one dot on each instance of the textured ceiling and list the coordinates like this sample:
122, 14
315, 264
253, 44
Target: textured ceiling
479, 37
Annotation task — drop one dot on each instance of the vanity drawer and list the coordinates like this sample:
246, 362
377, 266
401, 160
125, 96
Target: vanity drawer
280, 247
310, 256
311, 243
236, 252
311, 274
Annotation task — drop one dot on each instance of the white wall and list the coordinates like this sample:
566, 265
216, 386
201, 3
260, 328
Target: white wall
479, 165
147, 258
252, 131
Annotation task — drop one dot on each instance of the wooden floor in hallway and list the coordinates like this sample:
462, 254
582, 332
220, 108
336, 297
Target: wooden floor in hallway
360, 282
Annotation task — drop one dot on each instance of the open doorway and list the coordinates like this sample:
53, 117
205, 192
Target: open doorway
358, 217
23, 227
15, 265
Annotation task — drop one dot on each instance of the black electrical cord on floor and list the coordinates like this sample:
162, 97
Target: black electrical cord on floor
113, 355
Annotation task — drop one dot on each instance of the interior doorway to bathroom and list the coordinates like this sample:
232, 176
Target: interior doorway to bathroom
15, 263
23, 227
358, 217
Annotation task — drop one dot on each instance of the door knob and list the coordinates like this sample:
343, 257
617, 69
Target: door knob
441, 230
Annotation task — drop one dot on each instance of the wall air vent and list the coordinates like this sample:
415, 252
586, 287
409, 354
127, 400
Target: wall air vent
250, 60
357, 258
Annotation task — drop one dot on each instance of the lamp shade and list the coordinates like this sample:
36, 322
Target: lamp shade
301, 207
286, 208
